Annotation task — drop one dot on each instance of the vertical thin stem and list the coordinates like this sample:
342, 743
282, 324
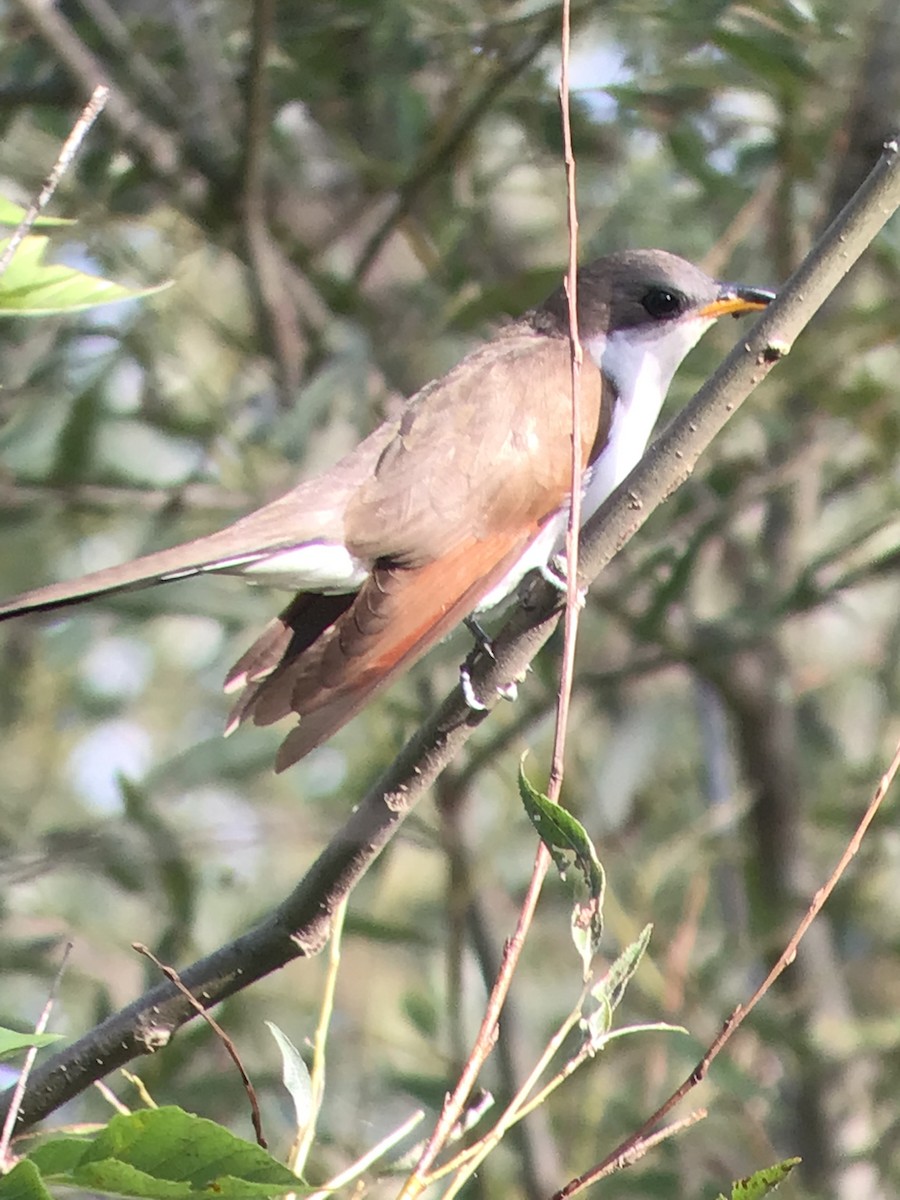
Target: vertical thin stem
71, 146
487, 1034
571, 284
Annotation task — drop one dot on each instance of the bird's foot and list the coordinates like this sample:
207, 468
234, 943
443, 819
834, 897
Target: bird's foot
483, 643
556, 572
482, 637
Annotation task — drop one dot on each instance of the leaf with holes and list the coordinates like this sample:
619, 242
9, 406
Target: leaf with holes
761, 1183
571, 849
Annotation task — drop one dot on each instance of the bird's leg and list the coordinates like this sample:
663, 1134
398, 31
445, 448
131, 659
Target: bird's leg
484, 644
556, 572
481, 636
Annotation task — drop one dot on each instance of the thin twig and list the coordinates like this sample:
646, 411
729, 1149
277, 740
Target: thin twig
487, 1033
571, 284
466, 1163
740, 1014
630, 1156
111, 1098
365, 1161
141, 1088
71, 146
22, 1081
172, 975
303, 1145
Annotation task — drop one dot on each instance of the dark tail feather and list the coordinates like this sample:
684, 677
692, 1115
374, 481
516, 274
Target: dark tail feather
283, 640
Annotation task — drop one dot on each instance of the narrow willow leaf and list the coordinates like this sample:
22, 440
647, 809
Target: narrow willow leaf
571, 849
611, 988
32, 288
11, 215
12, 1042
643, 1027
295, 1076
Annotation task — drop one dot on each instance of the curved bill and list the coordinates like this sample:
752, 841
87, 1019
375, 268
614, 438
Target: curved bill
737, 300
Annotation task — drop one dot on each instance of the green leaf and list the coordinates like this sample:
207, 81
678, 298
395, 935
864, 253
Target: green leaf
23, 1183
32, 288
611, 988
13, 1043
777, 60
295, 1076
165, 1154
11, 215
59, 1155
760, 1183
571, 848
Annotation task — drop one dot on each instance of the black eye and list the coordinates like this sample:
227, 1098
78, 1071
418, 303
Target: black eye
661, 302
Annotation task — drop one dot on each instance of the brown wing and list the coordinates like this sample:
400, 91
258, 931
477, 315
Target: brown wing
487, 446
476, 469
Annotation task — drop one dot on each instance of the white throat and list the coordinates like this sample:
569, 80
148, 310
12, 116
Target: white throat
641, 363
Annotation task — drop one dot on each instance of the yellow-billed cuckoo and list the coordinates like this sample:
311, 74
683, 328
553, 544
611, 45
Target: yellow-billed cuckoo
441, 513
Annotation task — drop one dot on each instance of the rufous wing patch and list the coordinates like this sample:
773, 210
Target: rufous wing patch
397, 616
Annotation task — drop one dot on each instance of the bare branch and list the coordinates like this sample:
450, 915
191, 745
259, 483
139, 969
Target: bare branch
154, 142
71, 146
277, 318
447, 146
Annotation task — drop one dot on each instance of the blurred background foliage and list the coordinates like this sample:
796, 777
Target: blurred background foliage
346, 194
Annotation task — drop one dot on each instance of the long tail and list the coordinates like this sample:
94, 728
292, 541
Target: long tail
163, 566
312, 511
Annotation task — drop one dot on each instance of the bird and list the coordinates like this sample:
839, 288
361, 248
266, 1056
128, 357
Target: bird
441, 512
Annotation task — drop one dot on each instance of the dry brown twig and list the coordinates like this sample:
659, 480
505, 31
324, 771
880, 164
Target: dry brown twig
70, 148
487, 1034
621, 1155
172, 975
22, 1082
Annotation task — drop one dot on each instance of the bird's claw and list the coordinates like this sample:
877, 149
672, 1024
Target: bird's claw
482, 638
483, 643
